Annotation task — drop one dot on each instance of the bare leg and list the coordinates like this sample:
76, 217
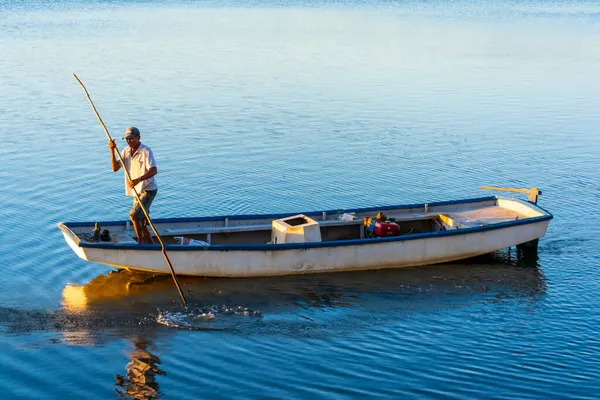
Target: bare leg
146, 234
137, 227
139, 221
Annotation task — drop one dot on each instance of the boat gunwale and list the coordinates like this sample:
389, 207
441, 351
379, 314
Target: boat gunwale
64, 227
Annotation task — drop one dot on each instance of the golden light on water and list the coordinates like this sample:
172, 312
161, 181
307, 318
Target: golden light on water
74, 299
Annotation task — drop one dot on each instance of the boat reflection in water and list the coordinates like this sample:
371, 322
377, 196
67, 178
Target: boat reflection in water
140, 380
130, 299
126, 304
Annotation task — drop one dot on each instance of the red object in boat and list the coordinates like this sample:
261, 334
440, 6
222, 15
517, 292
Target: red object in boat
386, 229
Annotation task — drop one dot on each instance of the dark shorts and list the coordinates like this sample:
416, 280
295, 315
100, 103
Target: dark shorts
136, 213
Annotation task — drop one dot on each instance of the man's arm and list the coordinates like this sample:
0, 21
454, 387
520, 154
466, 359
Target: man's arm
151, 172
116, 165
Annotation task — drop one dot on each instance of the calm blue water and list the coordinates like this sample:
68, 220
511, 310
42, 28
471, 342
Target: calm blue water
279, 106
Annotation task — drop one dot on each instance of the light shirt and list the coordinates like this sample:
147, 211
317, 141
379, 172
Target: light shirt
137, 165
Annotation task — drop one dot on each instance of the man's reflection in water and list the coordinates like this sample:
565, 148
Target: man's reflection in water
140, 382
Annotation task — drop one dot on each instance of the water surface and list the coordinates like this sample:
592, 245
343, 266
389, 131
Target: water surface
289, 106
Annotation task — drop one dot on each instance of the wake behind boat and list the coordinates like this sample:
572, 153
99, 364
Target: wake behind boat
319, 241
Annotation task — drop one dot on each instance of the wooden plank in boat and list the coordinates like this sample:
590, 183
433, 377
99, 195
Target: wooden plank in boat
217, 229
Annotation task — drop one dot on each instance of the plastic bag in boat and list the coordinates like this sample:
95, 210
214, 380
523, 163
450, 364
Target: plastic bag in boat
347, 216
186, 241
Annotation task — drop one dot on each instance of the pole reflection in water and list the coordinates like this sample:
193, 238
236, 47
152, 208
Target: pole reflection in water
140, 380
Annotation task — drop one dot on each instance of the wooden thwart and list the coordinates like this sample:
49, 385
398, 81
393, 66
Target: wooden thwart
532, 193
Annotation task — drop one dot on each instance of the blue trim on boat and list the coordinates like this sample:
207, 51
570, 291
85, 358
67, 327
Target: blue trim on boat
289, 246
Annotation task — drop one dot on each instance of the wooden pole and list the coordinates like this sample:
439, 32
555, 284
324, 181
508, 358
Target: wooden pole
137, 197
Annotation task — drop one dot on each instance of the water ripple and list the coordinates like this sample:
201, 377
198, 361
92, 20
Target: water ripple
284, 107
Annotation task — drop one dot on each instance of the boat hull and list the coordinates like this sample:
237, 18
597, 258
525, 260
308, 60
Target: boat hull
403, 251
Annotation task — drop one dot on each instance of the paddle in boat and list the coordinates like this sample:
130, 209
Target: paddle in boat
319, 241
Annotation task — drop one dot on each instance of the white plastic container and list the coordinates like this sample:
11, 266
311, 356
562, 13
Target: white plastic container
295, 229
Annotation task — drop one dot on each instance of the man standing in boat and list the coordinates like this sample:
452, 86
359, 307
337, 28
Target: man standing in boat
139, 161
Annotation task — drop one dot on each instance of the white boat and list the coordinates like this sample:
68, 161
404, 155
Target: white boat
319, 241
